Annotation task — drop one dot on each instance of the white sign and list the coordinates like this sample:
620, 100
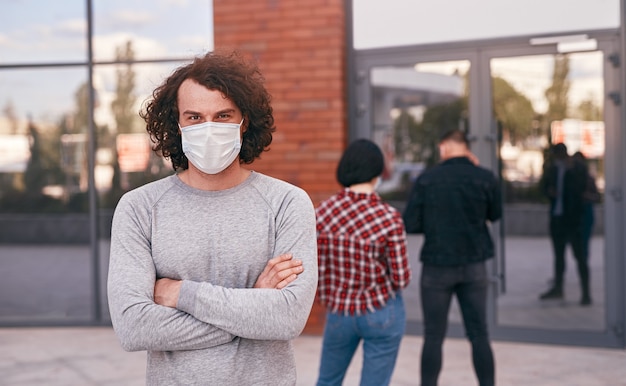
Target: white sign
584, 136
133, 152
15, 150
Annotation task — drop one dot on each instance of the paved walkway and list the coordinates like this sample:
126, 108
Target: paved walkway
84, 356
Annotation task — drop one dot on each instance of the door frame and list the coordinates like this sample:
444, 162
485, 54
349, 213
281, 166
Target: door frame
484, 136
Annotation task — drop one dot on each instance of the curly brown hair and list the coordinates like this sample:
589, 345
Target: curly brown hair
239, 80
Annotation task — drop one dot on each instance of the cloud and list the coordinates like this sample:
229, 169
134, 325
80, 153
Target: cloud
63, 40
200, 43
106, 45
127, 17
72, 27
179, 3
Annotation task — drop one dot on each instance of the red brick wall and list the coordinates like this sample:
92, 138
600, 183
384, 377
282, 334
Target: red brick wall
300, 48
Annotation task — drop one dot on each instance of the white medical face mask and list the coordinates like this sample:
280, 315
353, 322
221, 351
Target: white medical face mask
211, 146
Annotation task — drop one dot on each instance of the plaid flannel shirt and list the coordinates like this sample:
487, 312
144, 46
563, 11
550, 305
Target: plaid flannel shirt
362, 254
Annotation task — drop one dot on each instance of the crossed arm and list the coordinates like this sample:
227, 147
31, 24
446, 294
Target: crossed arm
279, 271
162, 314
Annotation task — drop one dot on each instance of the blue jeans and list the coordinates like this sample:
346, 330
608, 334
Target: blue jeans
381, 332
469, 283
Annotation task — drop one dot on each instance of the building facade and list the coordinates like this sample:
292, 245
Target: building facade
66, 174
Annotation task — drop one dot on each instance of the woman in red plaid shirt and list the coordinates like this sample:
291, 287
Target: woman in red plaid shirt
363, 267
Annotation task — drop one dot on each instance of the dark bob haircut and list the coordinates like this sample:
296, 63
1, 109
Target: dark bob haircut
239, 80
361, 161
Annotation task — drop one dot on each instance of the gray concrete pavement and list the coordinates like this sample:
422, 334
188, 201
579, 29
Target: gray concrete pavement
85, 356
92, 355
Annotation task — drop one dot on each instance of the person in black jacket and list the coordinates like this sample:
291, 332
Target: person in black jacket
451, 204
564, 183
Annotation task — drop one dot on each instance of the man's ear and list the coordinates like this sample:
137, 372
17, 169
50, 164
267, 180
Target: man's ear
244, 125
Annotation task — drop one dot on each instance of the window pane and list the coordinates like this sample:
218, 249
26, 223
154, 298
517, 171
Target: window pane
44, 220
406, 22
538, 101
124, 159
412, 106
156, 29
43, 128
35, 31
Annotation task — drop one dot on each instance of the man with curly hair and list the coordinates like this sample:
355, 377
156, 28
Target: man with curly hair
213, 269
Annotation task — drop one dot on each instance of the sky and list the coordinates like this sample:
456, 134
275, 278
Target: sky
41, 31
403, 22
37, 31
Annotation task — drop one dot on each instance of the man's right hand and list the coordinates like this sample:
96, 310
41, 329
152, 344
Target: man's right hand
279, 271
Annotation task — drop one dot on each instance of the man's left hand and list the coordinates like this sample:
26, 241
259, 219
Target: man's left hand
166, 292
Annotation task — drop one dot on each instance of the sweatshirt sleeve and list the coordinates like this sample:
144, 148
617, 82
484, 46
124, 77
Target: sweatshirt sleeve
140, 323
265, 313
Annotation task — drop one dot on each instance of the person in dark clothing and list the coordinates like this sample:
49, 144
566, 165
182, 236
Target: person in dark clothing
591, 196
564, 182
451, 205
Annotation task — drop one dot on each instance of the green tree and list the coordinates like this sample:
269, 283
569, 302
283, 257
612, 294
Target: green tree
588, 110
513, 110
125, 99
439, 119
128, 121
417, 141
405, 137
124, 117
11, 115
34, 176
82, 115
557, 93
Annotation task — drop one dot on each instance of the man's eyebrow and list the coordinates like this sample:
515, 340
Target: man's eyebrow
228, 110
190, 112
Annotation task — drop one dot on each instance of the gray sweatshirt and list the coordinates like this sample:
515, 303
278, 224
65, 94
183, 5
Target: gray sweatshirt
224, 332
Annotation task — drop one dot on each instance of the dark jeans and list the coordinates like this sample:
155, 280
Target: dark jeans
562, 233
469, 283
587, 227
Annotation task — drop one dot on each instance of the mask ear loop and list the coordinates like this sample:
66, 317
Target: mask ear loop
245, 129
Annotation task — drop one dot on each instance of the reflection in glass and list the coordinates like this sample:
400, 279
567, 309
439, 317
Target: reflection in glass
156, 30
44, 222
413, 106
47, 250
539, 101
43, 138
124, 158
43, 31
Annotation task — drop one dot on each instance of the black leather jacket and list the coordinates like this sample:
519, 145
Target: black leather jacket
451, 204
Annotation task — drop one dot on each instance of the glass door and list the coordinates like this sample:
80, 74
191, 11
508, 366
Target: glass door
516, 100
553, 117
412, 107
